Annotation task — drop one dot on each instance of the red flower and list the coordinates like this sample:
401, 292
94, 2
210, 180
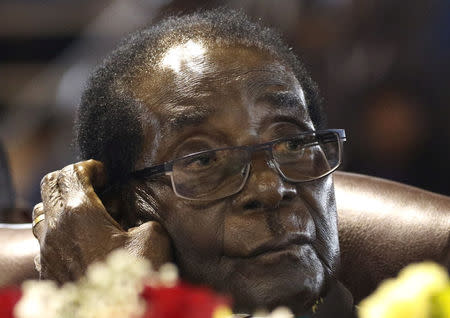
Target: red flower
8, 299
181, 301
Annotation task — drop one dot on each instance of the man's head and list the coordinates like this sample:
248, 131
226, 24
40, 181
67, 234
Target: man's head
208, 81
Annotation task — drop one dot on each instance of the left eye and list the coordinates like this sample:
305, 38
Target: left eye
293, 145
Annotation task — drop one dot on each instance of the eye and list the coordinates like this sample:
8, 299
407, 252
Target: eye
200, 162
203, 160
290, 146
293, 145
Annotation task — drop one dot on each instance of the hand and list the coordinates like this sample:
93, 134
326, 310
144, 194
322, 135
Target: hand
75, 229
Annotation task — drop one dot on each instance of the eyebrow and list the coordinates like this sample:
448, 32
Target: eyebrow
283, 99
192, 115
188, 116
286, 100
283, 118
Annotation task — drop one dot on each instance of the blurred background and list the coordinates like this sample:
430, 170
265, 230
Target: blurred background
382, 66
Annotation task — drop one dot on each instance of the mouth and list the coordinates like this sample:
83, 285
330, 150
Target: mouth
288, 244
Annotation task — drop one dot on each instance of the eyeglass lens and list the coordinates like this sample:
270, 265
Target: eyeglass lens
219, 173
307, 157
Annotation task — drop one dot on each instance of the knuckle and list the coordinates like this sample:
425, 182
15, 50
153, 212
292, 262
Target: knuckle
92, 165
154, 226
49, 177
75, 204
79, 167
80, 202
73, 172
37, 209
68, 169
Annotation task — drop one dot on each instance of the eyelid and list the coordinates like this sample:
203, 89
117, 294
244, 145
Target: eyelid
303, 124
282, 129
193, 145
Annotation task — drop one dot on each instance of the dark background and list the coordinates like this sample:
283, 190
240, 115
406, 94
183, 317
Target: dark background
382, 66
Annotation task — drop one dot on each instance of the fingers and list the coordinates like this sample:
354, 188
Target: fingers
92, 173
49, 190
151, 241
69, 193
83, 175
72, 225
38, 217
86, 176
53, 270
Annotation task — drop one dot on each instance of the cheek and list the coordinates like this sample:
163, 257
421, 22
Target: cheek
195, 228
320, 196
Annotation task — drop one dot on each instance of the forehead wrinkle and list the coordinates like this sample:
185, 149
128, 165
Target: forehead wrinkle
181, 116
258, 86
259, 81
283, 99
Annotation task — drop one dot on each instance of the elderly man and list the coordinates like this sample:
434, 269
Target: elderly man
210, 151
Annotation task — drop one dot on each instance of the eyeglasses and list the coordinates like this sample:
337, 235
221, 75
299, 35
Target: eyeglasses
218, 173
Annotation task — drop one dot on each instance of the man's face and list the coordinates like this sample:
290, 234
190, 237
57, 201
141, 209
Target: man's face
274, 242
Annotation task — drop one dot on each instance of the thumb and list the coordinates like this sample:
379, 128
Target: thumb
94, 175
151, 241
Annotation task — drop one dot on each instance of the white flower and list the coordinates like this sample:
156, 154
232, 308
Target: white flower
281, 312
108, 290
168, 275
38, 298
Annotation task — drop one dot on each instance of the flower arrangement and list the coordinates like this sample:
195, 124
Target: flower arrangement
125, 286
420, 291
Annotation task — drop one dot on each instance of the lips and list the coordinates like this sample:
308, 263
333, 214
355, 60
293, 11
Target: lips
280, 244
248, 235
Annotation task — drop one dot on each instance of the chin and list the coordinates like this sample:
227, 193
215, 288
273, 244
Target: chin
294, 279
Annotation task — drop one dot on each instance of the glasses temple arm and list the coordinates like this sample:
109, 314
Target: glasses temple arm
150, 171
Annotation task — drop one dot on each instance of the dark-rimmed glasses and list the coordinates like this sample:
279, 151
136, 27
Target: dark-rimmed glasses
218, 173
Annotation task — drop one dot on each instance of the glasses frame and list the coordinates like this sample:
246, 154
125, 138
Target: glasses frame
167, 167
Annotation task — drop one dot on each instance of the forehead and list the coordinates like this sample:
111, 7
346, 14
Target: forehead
193, 82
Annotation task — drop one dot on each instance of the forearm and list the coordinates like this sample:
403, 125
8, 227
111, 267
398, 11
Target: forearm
384, 226
17, 252
413, 223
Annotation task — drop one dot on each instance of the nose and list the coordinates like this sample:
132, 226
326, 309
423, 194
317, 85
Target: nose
265, 188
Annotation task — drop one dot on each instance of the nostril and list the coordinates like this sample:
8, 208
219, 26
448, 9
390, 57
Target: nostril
253, 205
289, 196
